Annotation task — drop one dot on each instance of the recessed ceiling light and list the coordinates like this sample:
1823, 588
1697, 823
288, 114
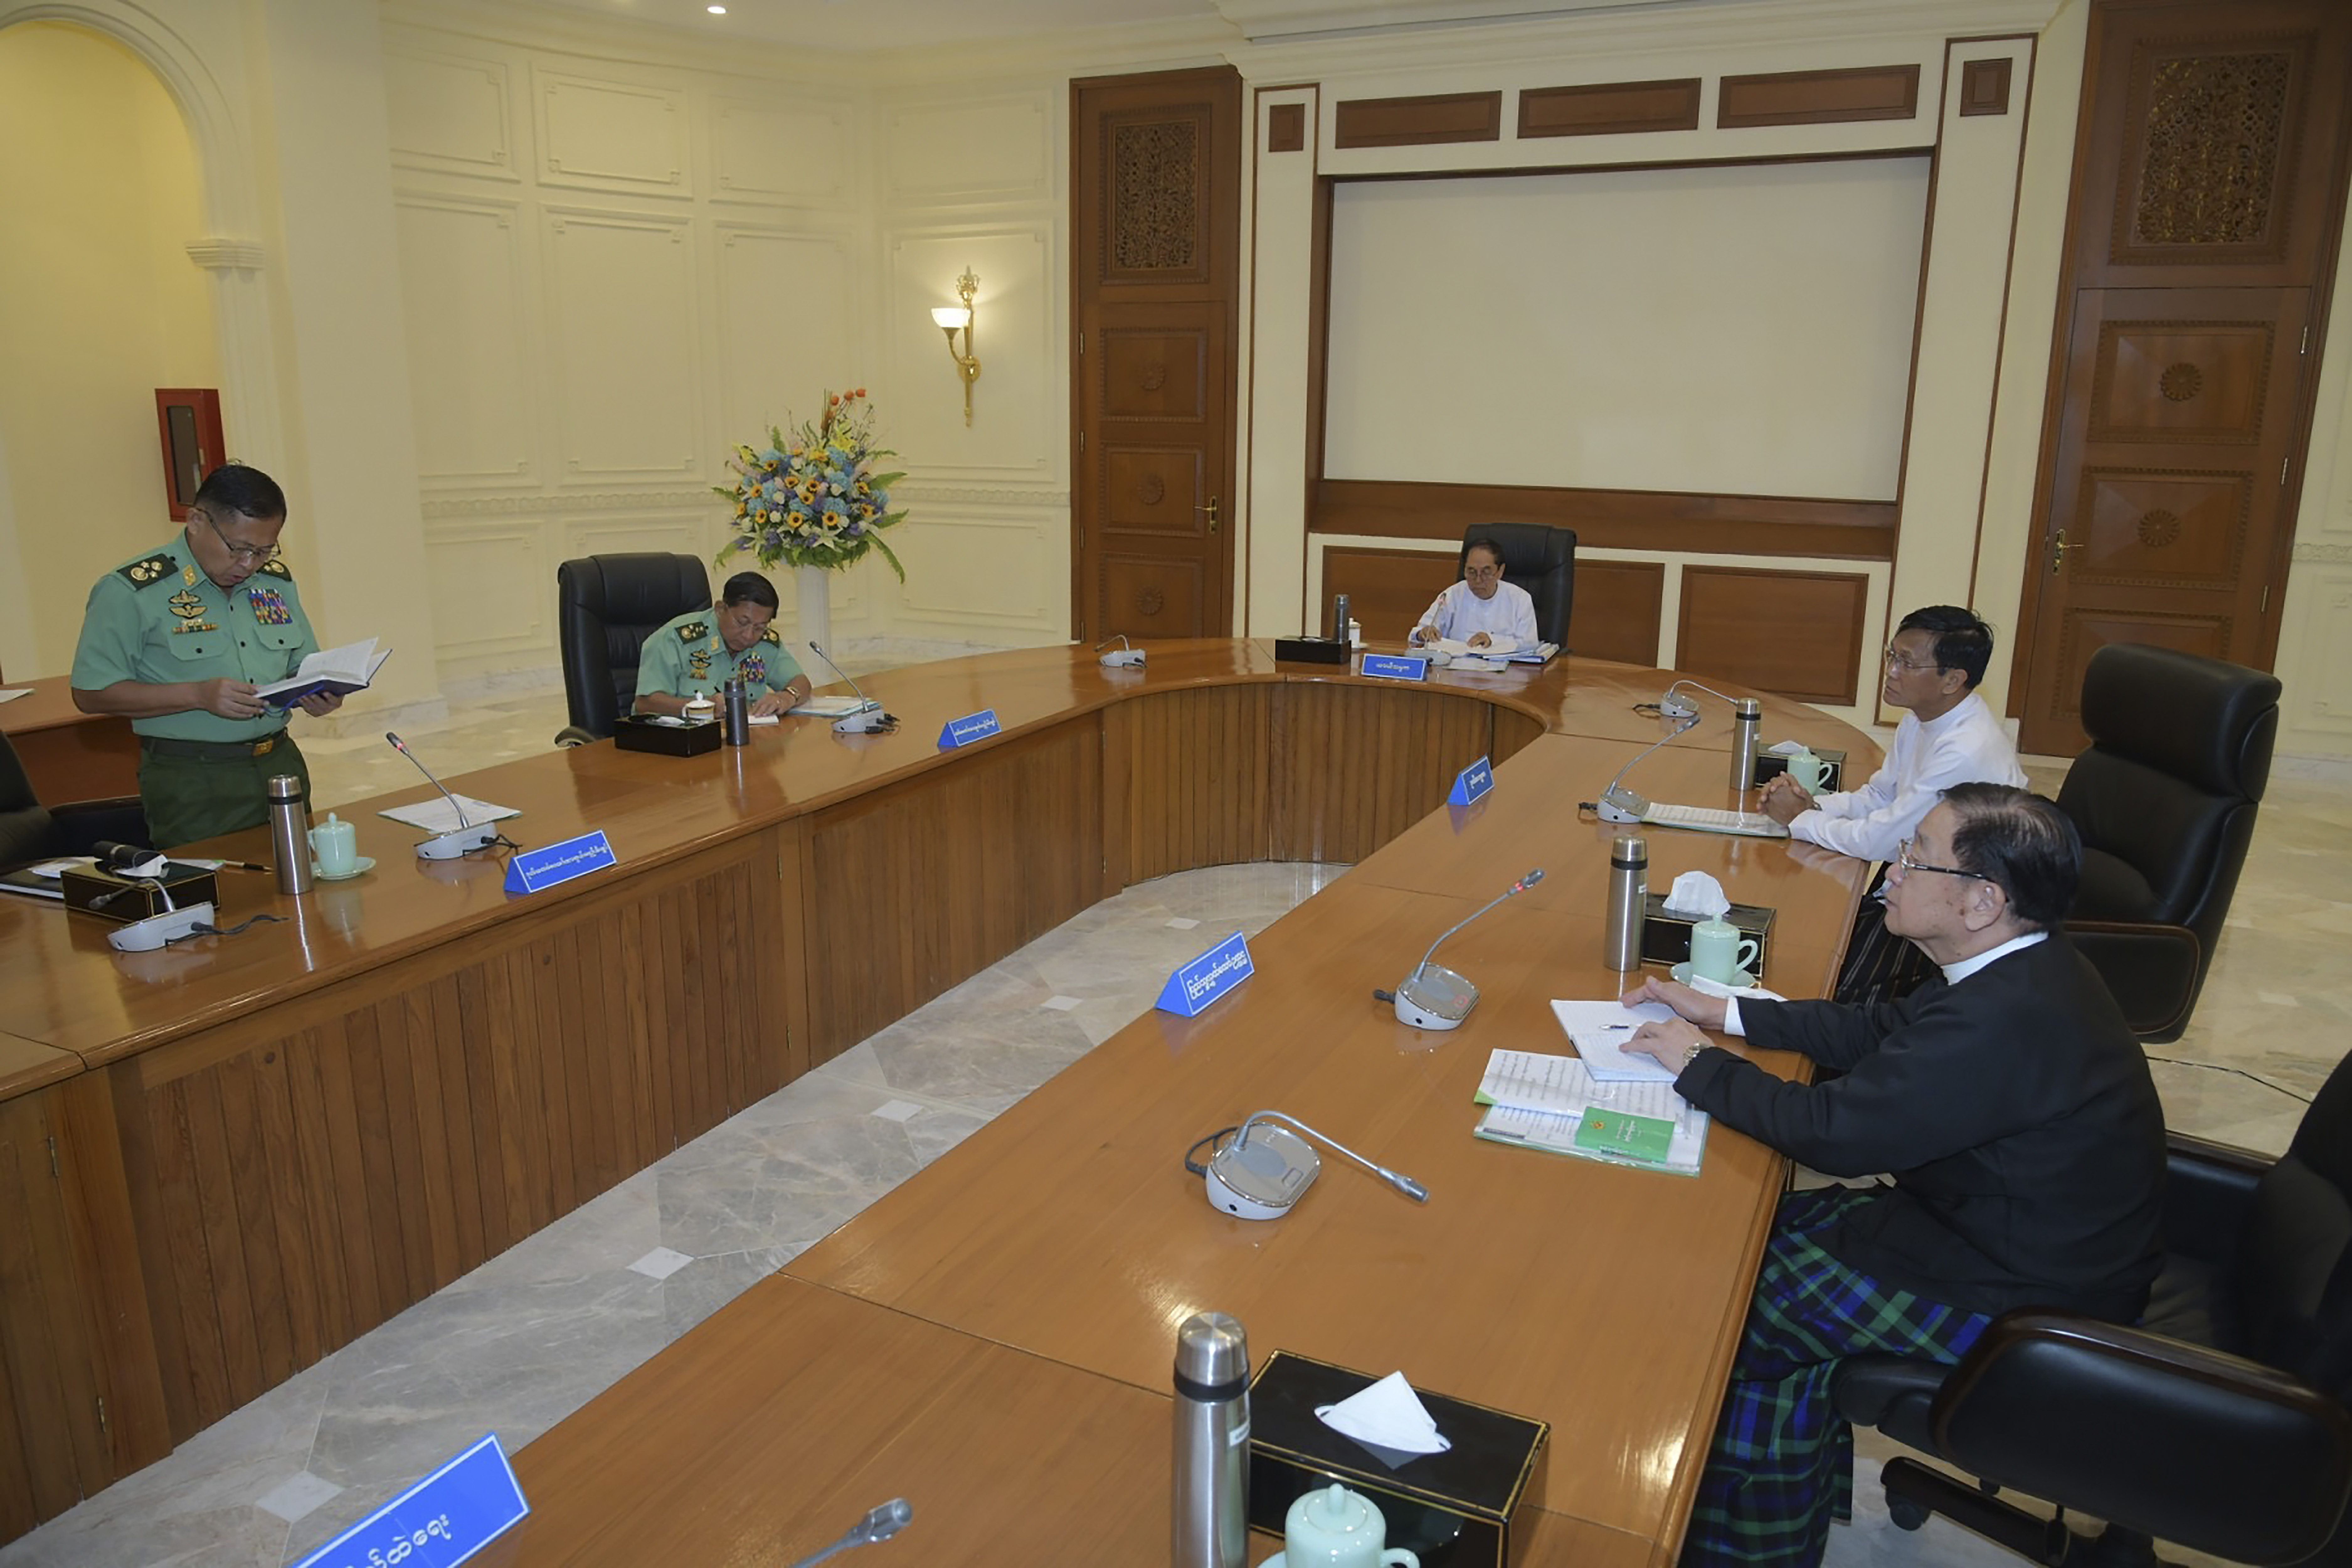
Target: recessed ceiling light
716, 10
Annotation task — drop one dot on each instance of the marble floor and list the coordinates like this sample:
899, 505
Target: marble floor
530, 1336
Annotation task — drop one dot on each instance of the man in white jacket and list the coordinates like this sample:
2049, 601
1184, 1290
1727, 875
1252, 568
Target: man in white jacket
1948, 736
1481, 610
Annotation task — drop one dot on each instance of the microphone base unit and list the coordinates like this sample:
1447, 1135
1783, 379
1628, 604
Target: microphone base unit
866, 721
152, 933
457, 841
1434, 997
1123, 658
1263, 1178
1619, 804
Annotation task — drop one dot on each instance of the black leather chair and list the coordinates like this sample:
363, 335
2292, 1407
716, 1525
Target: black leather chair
31, 831
2218, 1424
1539, 558
2180, 752
607, 605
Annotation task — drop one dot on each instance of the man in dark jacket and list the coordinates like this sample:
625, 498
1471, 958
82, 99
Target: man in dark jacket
2012, 1105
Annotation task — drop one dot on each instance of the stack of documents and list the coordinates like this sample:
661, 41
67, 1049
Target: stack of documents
1553, 1104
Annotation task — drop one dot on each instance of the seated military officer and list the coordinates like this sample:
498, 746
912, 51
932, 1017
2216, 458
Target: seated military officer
180, 638
701, 650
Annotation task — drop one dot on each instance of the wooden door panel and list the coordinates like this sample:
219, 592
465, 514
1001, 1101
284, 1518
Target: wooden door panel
2153, 528
2169, 501
2182, 381
1155, 258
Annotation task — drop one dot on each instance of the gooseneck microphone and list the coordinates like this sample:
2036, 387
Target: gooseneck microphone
460, 840
879, 1525
1263, 1171
867, 718
1619, 804
1433, 996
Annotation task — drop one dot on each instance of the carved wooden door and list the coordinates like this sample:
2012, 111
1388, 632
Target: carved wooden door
2208, 191
1155, 225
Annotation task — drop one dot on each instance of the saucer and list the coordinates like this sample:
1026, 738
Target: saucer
360, 868
1740, 979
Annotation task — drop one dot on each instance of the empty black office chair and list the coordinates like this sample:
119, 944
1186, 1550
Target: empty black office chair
607, 605
2220, 1424
2165, 798
1539, 558
31, 831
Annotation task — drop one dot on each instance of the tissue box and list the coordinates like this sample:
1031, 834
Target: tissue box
1452, 1510
1311, 650
1769, 765
126, 900
635, 732
1665, 939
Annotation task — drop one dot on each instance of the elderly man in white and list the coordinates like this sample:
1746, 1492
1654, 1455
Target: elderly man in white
1481, 610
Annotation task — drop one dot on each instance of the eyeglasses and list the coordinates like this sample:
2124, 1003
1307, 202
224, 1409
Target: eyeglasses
1896, 661
1903, 858
244, 555
1480, 573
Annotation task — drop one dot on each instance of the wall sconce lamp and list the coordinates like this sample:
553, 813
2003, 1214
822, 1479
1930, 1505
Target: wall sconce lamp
953, 319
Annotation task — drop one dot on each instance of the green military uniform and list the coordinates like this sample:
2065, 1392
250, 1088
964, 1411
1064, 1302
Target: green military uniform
688, 655
157, 618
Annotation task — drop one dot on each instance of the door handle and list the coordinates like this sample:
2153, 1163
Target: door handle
1212, 510
2058, 548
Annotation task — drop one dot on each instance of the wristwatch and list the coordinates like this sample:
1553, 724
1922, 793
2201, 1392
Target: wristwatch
1691, 1055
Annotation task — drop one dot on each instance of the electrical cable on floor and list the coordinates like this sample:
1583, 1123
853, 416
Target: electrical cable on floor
2217, 1066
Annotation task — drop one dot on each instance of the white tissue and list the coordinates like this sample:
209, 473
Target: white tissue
1388, 1414
1696, 893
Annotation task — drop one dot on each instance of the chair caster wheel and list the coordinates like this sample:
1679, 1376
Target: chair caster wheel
1906, 1515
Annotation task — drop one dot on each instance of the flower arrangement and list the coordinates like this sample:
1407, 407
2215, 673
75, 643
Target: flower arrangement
814, 498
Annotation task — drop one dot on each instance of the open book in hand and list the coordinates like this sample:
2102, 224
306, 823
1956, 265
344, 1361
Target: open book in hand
341, 670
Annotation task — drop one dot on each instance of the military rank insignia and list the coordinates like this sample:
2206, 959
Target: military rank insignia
276, 568
191, 611
270, 607
154, 569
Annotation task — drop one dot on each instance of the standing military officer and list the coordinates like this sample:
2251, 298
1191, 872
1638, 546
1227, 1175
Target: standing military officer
179, 640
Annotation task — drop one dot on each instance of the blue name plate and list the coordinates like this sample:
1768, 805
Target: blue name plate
972, 727
532, 869
1191, 989
440, 1522
1472, 783
1395, 667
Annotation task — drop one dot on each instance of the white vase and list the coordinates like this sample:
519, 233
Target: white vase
813, 588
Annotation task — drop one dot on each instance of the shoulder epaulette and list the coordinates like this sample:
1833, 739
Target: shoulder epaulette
693, 631
153, 569
276, 568
770, 635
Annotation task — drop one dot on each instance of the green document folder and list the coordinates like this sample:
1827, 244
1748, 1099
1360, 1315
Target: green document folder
1626, 1136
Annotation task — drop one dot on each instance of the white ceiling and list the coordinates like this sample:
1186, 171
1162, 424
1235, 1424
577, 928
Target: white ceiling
860, 24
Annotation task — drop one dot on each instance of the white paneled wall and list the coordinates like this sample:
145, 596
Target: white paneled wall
616, 270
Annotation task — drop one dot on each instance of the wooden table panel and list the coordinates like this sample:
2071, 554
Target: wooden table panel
68, 754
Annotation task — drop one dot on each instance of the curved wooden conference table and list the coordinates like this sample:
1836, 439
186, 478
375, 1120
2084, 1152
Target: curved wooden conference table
269, 1143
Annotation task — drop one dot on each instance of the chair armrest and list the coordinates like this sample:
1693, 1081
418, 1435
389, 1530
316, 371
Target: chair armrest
1894, 1394
2151, 970
82, 823
2189, 1444
2208, 1191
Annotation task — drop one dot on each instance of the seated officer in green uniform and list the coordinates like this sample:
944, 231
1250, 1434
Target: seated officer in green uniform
701, 650
179, 638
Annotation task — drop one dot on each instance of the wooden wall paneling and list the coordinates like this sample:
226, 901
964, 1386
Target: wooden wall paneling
1610, 108
1387, 589
1818, 97
1610, 519
1984, 87
1197, 770
1419, 122
1795, 632
1619, 609
1285, 128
